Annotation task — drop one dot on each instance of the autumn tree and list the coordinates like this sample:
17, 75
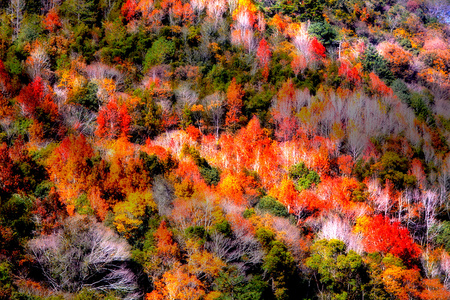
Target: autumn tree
177, 11
264, 54
32, 96
166, 247
399, 59
308, 47
245, 18
113, 120
400, 281
5, 80
177, 284
231, 188
69, 167
128, 9
379, 87
382, 235
284, 108
52, 21
130, 214
8, 176
317, 48
234, 105
350, 73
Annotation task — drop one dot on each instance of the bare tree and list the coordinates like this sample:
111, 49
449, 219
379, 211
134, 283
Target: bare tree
336, 228
79, 118
108, 6
430, 202
38, 63
185, 96
215, 106
100, 71
445, 267
49, 4
84, 253
163, 194
15, 11
357, 142
234, 249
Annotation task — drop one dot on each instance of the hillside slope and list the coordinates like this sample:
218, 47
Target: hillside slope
211, 149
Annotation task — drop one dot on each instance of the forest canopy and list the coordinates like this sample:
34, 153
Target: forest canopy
211, 149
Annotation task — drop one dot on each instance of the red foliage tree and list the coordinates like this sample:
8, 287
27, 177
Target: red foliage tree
378, 86
5, 80
194, 133
317, 48
32, 96
129, 9
382, 235
8, 178
263, 54
113, 120
345, 163
350, 73
177, 10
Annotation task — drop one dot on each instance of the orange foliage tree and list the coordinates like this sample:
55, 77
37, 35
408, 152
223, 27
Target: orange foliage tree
234, 104
251, 149
378, 86
177, 284
398, 58
401, 282
165, 245
230, 188
434, 290
68, 167
52, 21
288, 195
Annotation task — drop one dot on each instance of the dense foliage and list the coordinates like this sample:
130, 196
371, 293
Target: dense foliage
210, 149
